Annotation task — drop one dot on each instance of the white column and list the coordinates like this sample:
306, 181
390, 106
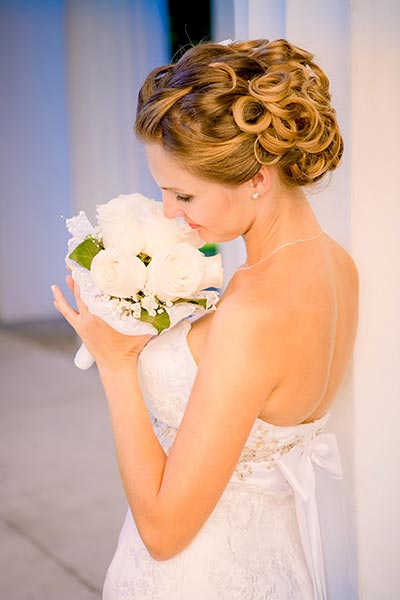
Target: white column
221, 17
259, 19
376, 247
266, 18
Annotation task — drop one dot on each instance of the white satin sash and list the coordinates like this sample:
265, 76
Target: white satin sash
297, 466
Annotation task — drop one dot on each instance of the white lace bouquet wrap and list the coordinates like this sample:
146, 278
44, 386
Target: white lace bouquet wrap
139, 271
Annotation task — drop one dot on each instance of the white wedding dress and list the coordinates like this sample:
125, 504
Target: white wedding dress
262, 540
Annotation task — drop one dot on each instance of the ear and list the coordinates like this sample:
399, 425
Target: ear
262, 182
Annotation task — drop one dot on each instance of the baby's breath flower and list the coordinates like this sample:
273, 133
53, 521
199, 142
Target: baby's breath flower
136, 310
125, 304
149, 303
147, 290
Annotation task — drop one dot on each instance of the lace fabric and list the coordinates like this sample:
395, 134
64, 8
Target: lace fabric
252, 546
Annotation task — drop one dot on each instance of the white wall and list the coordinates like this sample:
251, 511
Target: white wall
375, 133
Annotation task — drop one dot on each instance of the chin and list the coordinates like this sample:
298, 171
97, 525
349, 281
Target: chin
209, 238
214, 238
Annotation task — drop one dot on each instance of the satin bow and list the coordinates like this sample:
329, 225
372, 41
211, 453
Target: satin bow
297, 467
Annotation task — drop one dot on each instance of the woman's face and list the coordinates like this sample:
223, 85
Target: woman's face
220, 213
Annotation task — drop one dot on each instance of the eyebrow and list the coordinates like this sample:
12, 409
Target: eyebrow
171, 189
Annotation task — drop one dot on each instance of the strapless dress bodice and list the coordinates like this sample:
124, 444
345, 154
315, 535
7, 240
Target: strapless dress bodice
167, 371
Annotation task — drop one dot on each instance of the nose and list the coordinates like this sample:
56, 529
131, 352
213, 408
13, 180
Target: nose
170, 208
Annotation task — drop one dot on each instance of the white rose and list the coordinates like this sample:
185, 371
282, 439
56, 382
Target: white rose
118, 274
182, 271
213, 272
119, 223
161, 233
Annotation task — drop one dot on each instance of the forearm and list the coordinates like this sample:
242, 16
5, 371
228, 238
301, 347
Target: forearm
140, 457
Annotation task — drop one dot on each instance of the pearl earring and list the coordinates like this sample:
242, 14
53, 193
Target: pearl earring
255, 196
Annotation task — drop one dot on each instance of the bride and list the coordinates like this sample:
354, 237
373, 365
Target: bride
218, 422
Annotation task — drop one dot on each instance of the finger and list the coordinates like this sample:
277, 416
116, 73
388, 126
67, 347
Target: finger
63, 307
79, 302
70, 283
68, 268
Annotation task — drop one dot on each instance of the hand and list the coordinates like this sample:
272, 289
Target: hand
108, 347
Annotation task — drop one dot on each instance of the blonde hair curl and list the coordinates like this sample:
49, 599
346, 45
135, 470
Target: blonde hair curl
223, 111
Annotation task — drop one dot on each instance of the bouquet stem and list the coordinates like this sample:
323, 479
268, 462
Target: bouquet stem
83, 359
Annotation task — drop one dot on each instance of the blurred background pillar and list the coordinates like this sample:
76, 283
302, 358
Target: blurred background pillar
111, 47
35, 185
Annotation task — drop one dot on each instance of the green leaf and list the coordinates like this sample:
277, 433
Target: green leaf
161, 321
209, 249
85, 252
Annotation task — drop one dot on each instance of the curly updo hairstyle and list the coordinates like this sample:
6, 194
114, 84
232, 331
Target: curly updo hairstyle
222, 111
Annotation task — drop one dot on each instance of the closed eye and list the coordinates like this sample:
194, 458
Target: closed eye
181, 198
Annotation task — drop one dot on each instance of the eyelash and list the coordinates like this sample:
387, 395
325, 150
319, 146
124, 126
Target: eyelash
183, 198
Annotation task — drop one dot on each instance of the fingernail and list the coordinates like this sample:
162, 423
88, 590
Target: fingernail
53, 288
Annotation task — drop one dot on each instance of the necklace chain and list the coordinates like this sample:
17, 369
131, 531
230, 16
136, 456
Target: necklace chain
280, 248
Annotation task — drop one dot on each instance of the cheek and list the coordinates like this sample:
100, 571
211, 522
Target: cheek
171, 208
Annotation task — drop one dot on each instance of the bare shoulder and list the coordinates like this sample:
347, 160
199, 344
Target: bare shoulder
347, 289
252, 306
344, 262
250, 319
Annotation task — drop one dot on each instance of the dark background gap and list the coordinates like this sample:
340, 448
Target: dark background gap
189, 23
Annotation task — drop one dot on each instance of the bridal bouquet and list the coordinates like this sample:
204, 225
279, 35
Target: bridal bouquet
139, 271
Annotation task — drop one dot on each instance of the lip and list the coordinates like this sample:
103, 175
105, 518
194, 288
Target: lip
193, 225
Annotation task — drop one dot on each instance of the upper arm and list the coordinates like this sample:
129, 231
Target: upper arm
237, 371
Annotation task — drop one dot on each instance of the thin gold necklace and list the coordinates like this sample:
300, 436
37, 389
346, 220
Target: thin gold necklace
314, 237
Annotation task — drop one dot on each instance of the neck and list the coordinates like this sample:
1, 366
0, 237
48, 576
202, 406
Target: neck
287, 217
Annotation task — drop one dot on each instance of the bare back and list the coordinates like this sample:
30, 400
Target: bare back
320, 284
